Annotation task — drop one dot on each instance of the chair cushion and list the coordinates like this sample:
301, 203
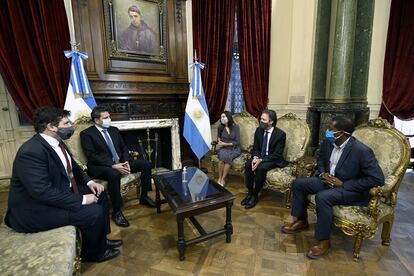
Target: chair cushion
44, 253
127, 182
238, 162
280, 179
357, 214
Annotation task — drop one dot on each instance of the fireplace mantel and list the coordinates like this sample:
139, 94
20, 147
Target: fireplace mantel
154, 124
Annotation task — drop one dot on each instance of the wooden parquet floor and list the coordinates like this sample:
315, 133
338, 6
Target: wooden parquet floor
257, 248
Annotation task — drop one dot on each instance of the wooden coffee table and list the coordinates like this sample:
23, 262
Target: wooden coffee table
189, 194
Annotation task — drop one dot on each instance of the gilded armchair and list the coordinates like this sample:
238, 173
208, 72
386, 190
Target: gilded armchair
392, 150
248, 125
297, 139
127, 182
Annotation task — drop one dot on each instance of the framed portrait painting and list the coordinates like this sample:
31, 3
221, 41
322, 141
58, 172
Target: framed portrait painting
135, 30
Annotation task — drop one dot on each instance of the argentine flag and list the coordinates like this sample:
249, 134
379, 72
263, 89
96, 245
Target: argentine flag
197, 129
79, 99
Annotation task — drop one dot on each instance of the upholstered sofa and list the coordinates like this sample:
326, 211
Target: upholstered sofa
128, 182
248, 125
392, 150
53, 252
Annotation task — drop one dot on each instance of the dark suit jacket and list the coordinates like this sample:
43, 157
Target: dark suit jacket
40, 198
357, 168
276, 146
96, 149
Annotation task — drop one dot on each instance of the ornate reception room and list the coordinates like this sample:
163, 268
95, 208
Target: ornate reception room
206, 137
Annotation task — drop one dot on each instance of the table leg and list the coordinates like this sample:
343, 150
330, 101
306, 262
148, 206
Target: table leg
229, 225
181, 241
158, 199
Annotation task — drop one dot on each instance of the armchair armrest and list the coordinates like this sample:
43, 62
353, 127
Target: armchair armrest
214, 144
375, 194
134, 154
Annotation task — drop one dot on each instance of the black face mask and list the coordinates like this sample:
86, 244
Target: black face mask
263, 125
65, 133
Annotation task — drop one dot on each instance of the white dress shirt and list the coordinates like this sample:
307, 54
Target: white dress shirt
102, 134
269, 134
335, 156
54, 143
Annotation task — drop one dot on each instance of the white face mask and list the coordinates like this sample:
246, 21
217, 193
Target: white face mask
224, 120
106, 123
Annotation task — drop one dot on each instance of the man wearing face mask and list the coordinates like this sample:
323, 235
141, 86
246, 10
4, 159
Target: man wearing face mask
49, 190
108, 159
347, 169
267, 153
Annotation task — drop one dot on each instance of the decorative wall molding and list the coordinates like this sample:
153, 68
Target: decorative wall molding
178, 11
138, 86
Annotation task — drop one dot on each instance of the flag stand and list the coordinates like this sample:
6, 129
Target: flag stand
203, 169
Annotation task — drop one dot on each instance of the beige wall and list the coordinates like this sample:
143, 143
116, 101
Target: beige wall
376, 67
291, 54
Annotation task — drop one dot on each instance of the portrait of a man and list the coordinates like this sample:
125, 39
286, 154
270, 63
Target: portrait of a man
138, 37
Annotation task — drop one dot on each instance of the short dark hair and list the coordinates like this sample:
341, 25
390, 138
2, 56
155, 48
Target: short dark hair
343, 124
45, 115
272, 115
96, 112
134, 8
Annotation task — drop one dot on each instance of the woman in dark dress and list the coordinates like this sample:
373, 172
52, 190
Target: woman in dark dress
228, 144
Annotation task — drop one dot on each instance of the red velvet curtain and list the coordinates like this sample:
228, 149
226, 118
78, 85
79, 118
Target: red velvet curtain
398, 81
213, 36
33, 36
254, 20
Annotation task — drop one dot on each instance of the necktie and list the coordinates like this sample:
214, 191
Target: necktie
264, 145
115, 156
69, 169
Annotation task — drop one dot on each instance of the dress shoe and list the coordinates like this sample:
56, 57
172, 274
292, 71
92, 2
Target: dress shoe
294, 227
114, 243
110, 253
119, 219
246, 199
146, 200
317, 251
252, 202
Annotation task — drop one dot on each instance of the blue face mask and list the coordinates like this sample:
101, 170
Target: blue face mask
330, 136
106, 123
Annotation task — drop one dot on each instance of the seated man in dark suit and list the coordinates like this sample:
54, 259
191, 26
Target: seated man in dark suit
49, 190
348, 170
269, 143
108, 159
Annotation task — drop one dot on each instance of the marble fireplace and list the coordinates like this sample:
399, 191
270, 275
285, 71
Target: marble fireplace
141, 136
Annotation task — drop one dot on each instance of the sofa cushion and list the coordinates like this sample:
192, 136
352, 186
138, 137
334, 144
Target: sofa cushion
44, 253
